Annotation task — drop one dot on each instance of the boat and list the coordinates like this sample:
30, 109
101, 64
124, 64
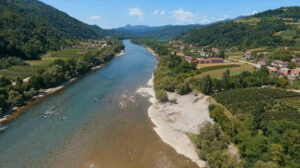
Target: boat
3, 129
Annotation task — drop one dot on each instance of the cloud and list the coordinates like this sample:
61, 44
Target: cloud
224, 18
162, 12
136, 12
188, 17
254, 12
94, 17
155, 12
183, 16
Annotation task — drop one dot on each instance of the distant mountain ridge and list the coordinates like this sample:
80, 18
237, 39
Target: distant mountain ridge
166, 31
30, 27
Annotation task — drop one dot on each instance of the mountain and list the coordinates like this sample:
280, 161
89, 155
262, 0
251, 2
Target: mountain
272, 28
28, 28
152, 32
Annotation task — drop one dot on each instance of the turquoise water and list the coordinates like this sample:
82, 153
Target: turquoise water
89, 121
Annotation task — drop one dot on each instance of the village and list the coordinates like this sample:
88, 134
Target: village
198, 55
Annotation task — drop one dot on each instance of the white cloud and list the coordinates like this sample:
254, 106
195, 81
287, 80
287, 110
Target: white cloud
94, 17
155, 12
162, 12
183, 16
188, 17
136, 12
254, 12
224, 18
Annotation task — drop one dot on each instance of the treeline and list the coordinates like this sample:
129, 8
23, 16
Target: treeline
246, 79
11, 61
290, 12
265, 125
242, 35
29, 28
60, 71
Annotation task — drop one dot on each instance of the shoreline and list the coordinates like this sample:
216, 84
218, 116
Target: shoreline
152, 51
17, 111
172, 122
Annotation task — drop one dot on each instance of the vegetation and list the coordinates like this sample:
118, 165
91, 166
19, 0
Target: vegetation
58, 72
265, 128
29, 28
213, 144
269, 29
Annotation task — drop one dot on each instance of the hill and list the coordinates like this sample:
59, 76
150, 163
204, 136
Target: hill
28, 28
263, 29
138, 31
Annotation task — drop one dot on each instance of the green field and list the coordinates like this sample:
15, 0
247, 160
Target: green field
35, 65
217, 73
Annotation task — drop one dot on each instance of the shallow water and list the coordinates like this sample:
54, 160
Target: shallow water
98, 121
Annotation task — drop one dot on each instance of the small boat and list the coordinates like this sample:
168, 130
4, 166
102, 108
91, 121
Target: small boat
3, 129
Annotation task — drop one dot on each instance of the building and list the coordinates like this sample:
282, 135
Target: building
211, 61
248, 55
261, 63
180, 54
295, 72
284, 71
215, 50
296, 61
279, 63
189, 59
273, 70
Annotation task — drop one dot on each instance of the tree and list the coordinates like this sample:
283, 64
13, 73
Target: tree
292, 65
4, 82
161, 95
261, 164
282, 82
15, 98
226, 79
183, 88
29, 94
206, 85
276, 153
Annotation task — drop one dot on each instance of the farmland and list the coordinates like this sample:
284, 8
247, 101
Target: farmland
215, 72
34, 66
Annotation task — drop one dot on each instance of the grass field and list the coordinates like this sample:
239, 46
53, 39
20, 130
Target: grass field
25, 71
234, 70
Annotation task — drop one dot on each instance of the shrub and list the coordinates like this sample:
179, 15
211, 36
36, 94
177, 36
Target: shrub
161, 95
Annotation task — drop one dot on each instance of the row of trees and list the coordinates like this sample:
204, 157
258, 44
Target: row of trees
60, 71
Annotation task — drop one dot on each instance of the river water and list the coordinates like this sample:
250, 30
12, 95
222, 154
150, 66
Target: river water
99, 121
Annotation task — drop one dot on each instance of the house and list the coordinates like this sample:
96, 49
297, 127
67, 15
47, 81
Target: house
284, 71
296, 61
295, 72
261, 63
273, 70
180, 54
215, 50
212, 61
189, 59
248, 55
279, 63
193, 51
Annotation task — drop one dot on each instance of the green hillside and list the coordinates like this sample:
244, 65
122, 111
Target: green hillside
28, 28
272, 28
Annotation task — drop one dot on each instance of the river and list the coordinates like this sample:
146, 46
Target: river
99, 121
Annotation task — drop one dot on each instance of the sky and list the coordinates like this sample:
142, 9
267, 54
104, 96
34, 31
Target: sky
117, 13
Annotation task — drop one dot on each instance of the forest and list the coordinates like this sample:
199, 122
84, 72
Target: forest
29, 28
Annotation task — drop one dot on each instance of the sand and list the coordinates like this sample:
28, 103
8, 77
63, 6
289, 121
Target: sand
173, 121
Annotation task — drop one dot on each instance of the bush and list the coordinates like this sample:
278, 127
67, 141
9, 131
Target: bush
4, 82
183, 89
161, 95
15, 98
29, 94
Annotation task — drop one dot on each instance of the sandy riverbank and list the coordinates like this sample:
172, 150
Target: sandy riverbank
152, 51
173, 121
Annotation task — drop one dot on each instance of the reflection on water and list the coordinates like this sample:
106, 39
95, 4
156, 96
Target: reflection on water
99, 121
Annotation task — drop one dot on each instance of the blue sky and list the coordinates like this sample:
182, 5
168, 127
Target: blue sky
117, 13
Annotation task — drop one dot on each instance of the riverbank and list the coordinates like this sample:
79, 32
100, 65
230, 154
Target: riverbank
152, 51
173, 121
17, 111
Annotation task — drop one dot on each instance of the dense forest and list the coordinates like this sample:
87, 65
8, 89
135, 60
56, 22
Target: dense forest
28, 28
249, 32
